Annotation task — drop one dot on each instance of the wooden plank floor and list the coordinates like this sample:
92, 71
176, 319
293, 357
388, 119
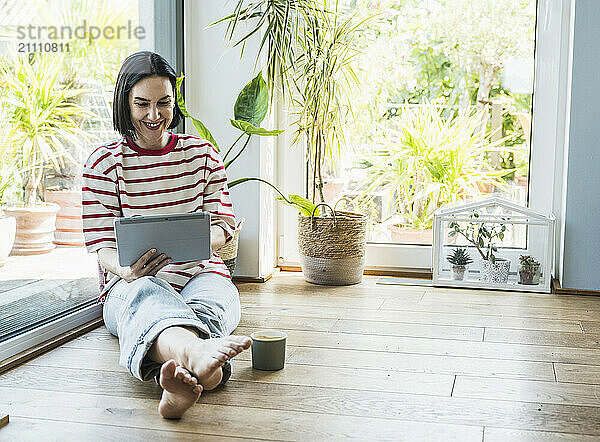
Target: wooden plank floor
367, 362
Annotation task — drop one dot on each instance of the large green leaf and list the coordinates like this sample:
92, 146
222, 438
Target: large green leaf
180, 101
200, 127
250, 129
204, 132
306, 206
252, 103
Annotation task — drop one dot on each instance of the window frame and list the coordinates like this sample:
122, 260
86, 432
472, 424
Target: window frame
554, 24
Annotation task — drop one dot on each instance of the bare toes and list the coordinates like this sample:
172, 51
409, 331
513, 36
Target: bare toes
228, 351
222, 357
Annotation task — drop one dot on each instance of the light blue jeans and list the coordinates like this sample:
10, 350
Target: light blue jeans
138, 311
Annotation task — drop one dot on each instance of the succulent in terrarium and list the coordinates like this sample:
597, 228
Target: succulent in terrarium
528, 261
459, 257
529, 270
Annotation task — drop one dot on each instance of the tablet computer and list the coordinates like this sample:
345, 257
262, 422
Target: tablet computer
180, 236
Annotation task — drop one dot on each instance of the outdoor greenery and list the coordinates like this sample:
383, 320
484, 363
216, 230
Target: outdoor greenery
9, 181
96, 59
429, 161
449, 52
74, 99
9, 174
42, 116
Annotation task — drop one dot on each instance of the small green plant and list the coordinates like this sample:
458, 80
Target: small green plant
481, 235
528, 261
528, 270
459, 257
44, 118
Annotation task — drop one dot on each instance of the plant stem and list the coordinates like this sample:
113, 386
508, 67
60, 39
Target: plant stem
307, 167
319, 161
315, 160
239, 153
242, 180
234, 143
476, 244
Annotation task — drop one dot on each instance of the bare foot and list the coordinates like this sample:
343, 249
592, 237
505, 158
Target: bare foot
181, 390
205, 357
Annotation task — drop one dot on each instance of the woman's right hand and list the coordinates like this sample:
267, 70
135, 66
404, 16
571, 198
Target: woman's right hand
145, 266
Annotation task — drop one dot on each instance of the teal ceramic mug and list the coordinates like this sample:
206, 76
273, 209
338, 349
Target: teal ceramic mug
268, 349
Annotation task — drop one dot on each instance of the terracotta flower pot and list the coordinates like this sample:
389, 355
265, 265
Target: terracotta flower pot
332, 187
408, 235
35, 228
69, 224
458, 272
8, 227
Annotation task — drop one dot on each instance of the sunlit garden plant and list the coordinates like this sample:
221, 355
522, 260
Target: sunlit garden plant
43, 118
429, 161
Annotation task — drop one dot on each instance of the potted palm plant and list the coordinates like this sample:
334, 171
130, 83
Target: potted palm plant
42, 118
308, 54
483, 236
459, 259
332, 249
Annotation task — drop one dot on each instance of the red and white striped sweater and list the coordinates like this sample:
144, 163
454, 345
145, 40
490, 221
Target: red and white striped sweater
123, 179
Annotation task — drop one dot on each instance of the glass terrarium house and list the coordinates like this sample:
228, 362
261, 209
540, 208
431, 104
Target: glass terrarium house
493, 244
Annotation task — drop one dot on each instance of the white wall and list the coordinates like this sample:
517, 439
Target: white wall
214, 76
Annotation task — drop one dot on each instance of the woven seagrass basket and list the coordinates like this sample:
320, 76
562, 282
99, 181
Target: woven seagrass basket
228, 253
332, 248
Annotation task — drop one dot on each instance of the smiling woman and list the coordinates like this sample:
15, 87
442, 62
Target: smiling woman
144, 103
158, 308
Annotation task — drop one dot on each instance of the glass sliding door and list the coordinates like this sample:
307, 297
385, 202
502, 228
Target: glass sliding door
442, 115
70, 51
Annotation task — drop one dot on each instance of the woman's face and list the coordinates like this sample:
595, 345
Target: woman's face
151, 103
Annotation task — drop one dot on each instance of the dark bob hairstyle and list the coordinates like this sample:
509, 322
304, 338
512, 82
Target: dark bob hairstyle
136, 67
